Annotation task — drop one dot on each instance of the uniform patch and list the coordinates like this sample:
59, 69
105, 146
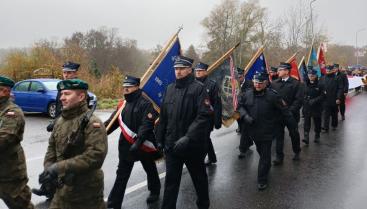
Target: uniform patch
207, 102
96, 125
150, 116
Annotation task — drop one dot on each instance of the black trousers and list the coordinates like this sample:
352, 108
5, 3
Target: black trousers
195, 166
294, 135
342, 106
264, 150
211, 152
330, 111
245, 141
123, 174
316, 121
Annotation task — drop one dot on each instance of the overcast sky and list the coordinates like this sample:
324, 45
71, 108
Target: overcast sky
152, 22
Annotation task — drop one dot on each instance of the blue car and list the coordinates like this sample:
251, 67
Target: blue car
39, 95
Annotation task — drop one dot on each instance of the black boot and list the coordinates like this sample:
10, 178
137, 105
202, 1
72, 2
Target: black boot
278, 161
153, 197
317, 138
306, 138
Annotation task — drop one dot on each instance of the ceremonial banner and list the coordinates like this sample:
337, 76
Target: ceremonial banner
226, 79
321, 59
302, 68
312, 61
256, 64
294, 70
156, 82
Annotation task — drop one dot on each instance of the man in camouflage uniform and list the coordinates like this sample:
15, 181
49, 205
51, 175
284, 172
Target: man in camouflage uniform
76, 164
13, 171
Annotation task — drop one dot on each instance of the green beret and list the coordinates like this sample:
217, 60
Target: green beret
5, 81
72, 84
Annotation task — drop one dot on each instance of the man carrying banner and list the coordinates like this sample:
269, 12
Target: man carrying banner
314, 95
259, 108
184, 117
212, 89
344, 78
245, 141
291, 91
245, 85
273, 73
136, 142
334, 93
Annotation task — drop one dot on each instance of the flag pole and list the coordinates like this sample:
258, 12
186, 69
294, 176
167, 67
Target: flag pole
156, 61
222, 58
302, 60
253, 59
159, 58
309, 55
292, 57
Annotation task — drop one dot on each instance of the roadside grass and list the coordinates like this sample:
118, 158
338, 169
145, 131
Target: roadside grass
104, 104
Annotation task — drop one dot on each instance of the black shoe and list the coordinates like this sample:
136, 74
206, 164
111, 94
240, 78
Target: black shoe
343, 117
262, 187
334, 128
306, 138
324, 130
210, 162
153, 197
278, 161
296, 157
317, 138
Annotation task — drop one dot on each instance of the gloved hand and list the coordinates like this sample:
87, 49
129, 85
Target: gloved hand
311, 102
181, 145
248, 119
50, 126
160, 147
134, 147
49, 174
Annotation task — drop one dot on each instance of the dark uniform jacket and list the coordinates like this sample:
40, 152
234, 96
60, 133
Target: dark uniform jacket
291, 92
344, 78
264, 107
185, 111
333, 88
246, 85
314, 95
215, 100
139, 116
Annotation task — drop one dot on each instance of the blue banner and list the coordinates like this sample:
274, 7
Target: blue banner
303, 71
313, 61
258, 66
163, 75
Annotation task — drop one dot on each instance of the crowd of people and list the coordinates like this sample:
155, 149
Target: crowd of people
191, 108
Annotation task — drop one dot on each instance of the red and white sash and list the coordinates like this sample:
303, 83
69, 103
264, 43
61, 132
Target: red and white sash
130, 136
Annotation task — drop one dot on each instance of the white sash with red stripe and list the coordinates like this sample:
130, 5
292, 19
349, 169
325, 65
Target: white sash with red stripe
130, 136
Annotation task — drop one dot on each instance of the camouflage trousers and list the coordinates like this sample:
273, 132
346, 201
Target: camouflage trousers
16, 194
60, 202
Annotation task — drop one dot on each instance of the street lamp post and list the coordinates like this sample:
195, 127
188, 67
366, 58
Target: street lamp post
311, 17
357, 52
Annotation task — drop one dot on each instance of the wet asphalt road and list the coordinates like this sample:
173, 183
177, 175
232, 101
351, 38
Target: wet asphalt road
332, 174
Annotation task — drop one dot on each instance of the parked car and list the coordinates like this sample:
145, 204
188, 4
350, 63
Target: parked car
39, 95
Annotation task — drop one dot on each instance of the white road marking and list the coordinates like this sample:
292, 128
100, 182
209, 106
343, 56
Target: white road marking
35, 158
